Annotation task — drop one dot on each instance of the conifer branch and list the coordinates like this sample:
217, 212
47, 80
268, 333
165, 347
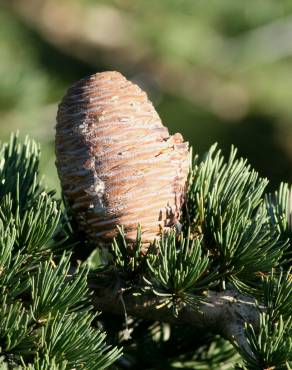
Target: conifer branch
237, 237
224, 312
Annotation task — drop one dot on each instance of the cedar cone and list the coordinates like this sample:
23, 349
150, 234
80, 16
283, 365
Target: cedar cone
117, 163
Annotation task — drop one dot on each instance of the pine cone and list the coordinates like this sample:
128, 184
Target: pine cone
117, 163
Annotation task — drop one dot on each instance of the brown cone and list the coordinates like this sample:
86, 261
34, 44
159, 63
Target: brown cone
116, 161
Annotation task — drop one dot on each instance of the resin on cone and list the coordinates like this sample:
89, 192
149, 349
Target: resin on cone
117, 163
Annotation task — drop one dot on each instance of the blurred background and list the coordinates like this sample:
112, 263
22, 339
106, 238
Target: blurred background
216, 70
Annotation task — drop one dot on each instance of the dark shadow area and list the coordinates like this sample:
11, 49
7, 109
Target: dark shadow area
256, 139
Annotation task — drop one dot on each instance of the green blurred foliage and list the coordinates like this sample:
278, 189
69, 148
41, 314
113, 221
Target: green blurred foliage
226, 64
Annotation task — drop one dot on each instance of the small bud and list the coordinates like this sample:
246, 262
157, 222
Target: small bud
117, 163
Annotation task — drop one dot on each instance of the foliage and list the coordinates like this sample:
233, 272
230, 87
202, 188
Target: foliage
57, 290
179, 269
234, 237
279, 206
271, 343
130, 260
225, 203
277, 294
46, 317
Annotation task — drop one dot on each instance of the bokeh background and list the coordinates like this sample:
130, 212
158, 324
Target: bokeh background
216, 70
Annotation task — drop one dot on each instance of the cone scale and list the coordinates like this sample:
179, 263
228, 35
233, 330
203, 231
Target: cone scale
117, 163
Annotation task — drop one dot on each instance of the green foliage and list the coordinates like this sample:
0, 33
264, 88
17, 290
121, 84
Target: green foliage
129, 259
277, 294
71, 337
55, 323
46, 364
179, 267
19, 170
225, 203
270, 345
24, 203
234, 236
29, 216
46, 319
279, 206
173, 267
237, 235
57, 289
14, 325
12, 262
